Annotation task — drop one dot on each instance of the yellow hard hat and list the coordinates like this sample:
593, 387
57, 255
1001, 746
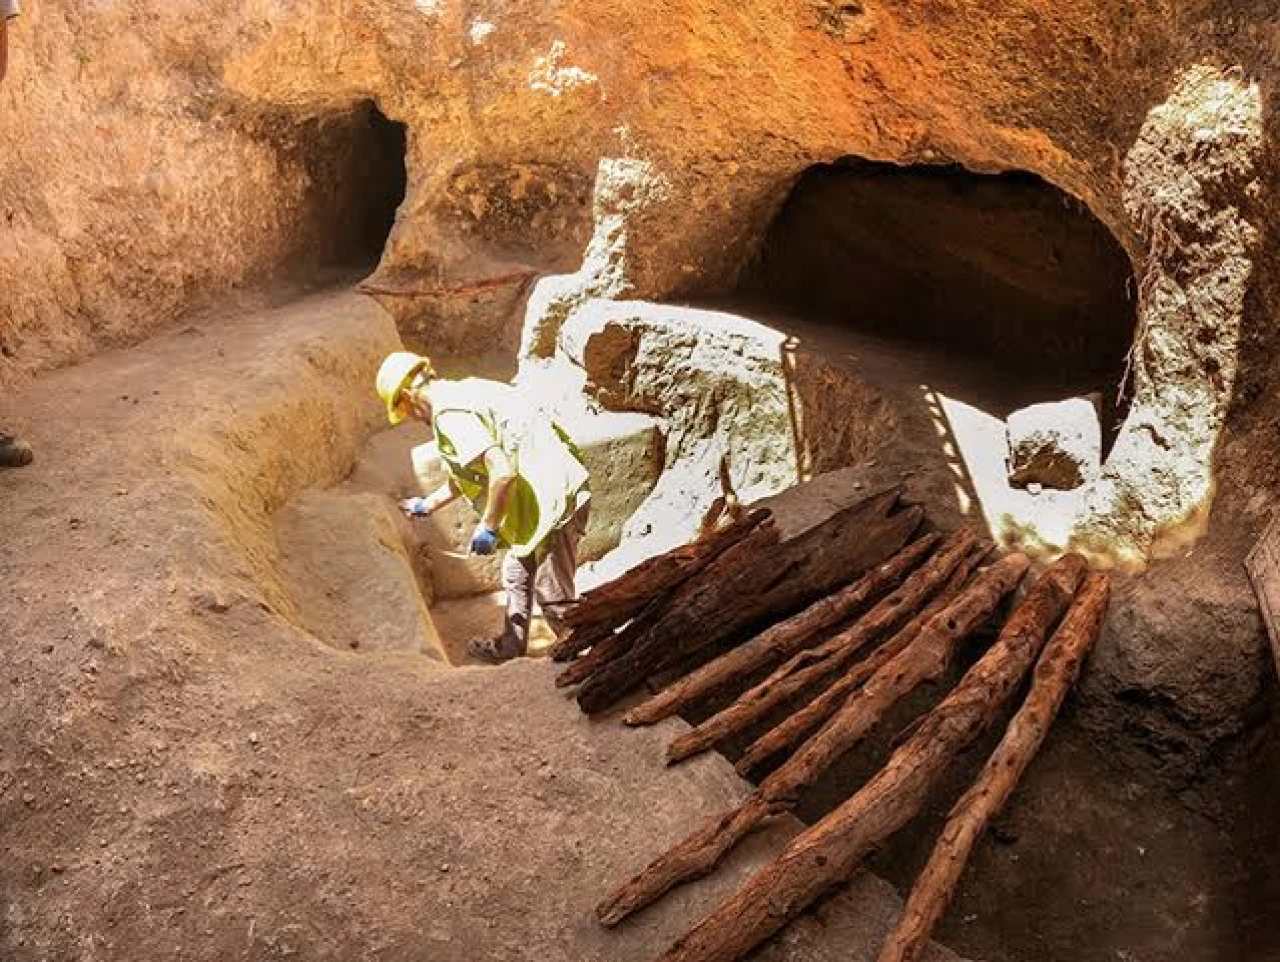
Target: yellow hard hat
394, 376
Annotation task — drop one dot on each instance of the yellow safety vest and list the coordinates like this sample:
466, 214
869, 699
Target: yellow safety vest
472, 415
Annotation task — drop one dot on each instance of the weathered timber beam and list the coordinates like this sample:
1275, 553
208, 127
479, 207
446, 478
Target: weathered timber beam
828, 853
616, 601
808, 668
1056, 672
795, 728
697, 854
783, 639
725, 600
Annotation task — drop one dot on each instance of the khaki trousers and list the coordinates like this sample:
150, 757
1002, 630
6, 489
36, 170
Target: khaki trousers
548, 576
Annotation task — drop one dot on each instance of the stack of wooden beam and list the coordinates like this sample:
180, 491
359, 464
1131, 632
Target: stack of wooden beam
846, 619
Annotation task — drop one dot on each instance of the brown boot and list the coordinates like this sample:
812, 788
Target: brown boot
14, 453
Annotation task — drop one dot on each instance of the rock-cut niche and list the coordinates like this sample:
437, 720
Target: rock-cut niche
1005, 268
355, 164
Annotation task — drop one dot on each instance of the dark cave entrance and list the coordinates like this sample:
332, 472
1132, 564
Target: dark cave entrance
1002, 270
356, 163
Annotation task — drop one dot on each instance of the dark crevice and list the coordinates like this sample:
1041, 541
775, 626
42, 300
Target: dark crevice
354, 164
361, 184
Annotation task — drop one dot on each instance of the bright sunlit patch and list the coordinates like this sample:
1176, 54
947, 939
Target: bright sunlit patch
480, 31
976, 448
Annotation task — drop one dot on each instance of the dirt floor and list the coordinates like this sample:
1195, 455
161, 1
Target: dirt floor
1095, 860
191, 773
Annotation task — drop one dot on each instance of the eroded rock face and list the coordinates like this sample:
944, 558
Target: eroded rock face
1184, 658
531, 139
743, 407
1193, 183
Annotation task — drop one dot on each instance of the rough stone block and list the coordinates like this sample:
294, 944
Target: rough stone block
1055, 445
733, 394
623, 453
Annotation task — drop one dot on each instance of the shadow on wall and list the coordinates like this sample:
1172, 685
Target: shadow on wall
834, 421
952, 452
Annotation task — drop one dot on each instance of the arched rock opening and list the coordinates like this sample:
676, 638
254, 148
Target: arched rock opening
1004, 267
355, 160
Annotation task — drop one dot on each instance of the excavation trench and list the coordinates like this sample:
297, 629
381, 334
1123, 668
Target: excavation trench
923, 307
241, 722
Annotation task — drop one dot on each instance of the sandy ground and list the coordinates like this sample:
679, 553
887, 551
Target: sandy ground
189, 773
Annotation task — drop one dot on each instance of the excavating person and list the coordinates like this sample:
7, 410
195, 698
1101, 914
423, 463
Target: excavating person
519, 470
13, 452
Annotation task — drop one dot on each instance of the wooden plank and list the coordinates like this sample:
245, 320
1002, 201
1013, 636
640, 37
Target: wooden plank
732, 595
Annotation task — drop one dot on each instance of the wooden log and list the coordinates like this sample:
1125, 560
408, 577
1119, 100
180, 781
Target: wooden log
783, 639
519, 277
613, 645
809, 667
828, 853
693, 858
725, 600
797, 727
636, 587
1055, 673
727, 594
744, 552
780, 792
617, 601
924, 660
577, 640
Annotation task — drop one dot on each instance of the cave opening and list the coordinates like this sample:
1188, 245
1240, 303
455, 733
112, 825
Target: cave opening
355, 162
1004, 272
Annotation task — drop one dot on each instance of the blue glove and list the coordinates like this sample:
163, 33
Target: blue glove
484, 540
414, 507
